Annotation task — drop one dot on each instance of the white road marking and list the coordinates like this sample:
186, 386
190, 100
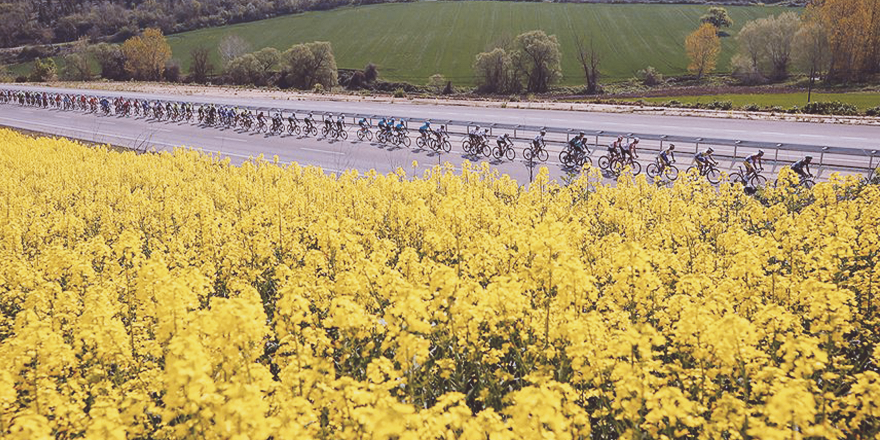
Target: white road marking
231, 139
323, 151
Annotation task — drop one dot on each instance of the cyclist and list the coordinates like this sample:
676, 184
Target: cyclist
475, 135
261, 119
802, 167
704, 159
440, 134
340, 123
754, 163
425, 129
382, 124
364, 124
667, 157
539, 143
292, 122
399, 128
328, 122
631, 149
309, 121
576, 144
504, 142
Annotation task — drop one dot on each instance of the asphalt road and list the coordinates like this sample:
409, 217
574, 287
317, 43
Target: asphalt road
336, 156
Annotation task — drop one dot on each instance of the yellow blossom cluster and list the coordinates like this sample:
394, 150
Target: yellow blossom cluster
174, 296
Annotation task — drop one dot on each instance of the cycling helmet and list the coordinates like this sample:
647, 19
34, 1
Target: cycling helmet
478, 128
543, 132
671, 146
342, 116
582, 134
761, 152
428, 123
809, 158
636, 140
711, 150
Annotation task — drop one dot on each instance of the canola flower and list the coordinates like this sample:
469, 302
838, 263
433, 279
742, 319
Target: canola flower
173, 296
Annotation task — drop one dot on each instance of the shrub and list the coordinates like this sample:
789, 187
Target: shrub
830, 108
650, 76
752, 107
399, 93
873, 111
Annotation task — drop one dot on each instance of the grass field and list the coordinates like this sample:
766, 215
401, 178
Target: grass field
863, 100
411, 42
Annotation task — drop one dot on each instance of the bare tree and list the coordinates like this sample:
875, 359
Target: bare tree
231, 47
590, 58
201, 66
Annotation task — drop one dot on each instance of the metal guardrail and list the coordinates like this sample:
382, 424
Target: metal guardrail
867, 155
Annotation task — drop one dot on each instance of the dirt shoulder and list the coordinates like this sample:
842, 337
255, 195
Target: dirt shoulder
244, 92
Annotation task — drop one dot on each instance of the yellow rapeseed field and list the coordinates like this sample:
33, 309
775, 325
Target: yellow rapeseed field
173, 296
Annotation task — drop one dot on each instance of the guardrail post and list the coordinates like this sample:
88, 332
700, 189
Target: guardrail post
735, 147
776, 157
822, 156
697, 147
871, 162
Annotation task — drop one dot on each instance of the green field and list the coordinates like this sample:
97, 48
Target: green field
412, 41
862, 100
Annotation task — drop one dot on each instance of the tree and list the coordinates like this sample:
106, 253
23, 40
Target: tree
589, 58
752, 43
111, 60
703, 47
77, 65
718, 17
780, 33
306, 65
231, 47
853, 28
371, 72
812, 51
495, 73
146, 55
537, 58
268, 60
43, 70
200, 65
243, 70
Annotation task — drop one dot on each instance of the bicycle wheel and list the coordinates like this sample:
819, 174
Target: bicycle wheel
616, 167
369, 135
324, 131
343, 134
808, 183
543, 155
446, 146
405, 140
361, 135
486, 150
510, 154
758, 181
528, 154
671, 172
635, 167
652, 170
713, 175
466, 146
604, 162
420, 142
296, 130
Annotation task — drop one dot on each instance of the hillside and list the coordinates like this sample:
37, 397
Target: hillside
411, 42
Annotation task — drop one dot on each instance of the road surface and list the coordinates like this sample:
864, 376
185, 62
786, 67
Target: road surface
336, 156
